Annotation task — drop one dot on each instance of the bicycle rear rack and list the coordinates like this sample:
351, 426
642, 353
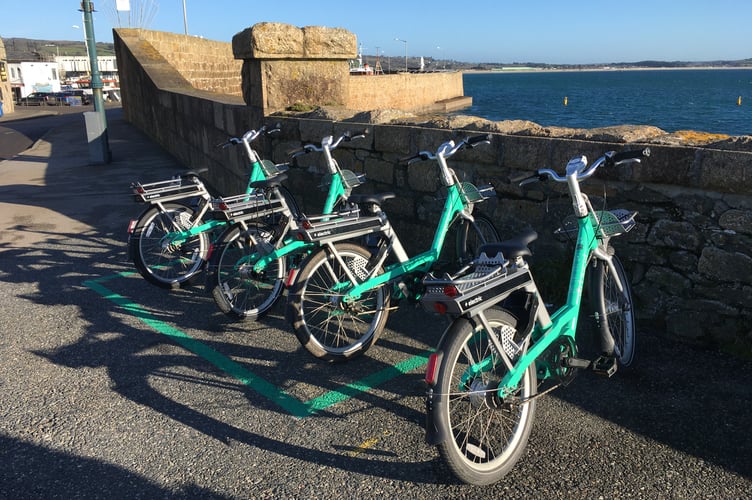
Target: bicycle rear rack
492, 280
246, 206
172, 189
346, 224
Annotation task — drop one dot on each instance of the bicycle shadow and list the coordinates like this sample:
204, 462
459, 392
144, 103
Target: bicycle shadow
134, 355
689, 399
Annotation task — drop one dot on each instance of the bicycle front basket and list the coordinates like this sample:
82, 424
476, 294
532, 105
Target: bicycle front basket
271, 169
473, 194
606, 223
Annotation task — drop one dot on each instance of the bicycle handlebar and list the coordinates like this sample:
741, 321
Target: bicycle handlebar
251, 135
447, 149
328, 143
577, 166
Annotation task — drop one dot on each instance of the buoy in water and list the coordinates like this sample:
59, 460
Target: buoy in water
566, 100
739, 101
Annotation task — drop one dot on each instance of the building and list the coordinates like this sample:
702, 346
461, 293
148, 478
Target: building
38, 76
65, 71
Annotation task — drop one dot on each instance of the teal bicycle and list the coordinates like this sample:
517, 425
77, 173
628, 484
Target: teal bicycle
247, 269
483, 379
339, 302
169, 242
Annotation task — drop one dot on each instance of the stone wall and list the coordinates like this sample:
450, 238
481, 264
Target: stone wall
285, 66
6, 94
417, 92
205, 64
690, 258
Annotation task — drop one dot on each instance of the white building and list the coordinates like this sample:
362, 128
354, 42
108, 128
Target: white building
38, 76
41, 76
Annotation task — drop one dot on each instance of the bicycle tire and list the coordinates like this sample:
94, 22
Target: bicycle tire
167, 266
237, 290
485, 435
325, 328
472, 235
614, 312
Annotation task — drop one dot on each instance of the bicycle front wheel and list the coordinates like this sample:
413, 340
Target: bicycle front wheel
162, 262
238, 290
615, 312
328, 328
486, 434
472, 235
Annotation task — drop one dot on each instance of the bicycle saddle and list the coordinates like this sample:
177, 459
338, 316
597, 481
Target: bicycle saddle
193, 173
514, 247
275, 181
376, 199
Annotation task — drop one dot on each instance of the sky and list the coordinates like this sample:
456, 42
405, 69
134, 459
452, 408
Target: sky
493, 31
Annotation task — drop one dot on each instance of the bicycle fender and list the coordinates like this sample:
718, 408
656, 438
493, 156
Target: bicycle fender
437, 430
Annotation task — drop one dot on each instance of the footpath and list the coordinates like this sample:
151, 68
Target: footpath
112, 388
52, 186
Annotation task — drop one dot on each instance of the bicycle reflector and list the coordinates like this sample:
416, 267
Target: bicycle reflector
450, 291
432, 369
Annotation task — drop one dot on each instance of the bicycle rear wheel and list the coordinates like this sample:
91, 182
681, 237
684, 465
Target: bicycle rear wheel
614, 312
165, 264
324, 325
486, 434
237, 289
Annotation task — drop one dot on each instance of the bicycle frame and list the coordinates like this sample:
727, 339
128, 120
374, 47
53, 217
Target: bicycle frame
338, 190
562, 324
290, 246
453, 206
257, 174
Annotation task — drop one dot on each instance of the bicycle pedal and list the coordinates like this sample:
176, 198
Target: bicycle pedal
605, 366
577, 363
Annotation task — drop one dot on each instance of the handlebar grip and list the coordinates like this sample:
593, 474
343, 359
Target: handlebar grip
473, 141
520, 177
356, 135
411, 159
527, 178
630, 155
229, 142
296, 151
273, 129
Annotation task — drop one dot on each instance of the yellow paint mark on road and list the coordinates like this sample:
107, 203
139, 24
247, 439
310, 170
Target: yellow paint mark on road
368, 443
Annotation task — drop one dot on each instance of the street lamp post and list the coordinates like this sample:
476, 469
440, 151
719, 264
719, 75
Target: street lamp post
405, 42
443, 56
53, 45
96, 122
185, 18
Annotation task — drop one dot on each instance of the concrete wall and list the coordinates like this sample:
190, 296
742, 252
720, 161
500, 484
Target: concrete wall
690, 258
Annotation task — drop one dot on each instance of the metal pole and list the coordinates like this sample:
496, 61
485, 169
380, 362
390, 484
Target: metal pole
185, 18
405, 42
104, 155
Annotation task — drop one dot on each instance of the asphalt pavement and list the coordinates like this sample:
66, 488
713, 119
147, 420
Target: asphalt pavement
112, 388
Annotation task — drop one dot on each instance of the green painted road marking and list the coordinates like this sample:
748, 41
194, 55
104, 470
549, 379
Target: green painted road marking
289, 403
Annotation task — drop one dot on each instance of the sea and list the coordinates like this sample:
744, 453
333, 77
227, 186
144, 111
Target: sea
704, 100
